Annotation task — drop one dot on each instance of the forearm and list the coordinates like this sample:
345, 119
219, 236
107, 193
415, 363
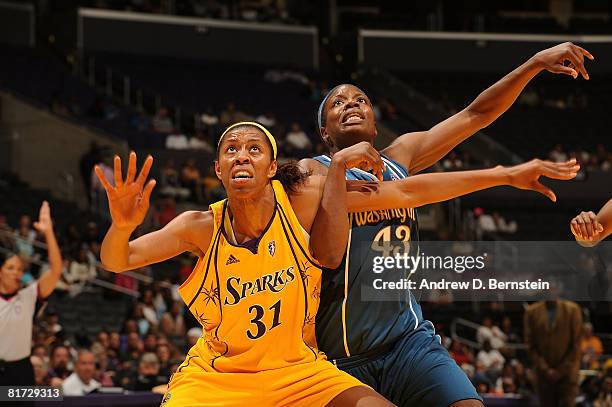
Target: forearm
329, 232
605, 218
438, 187
48, 280
498, 98
115, 250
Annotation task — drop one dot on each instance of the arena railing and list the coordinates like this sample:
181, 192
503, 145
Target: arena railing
461, 322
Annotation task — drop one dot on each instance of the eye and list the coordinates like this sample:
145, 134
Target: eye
255, 148
337, 102
231, 149
361, 100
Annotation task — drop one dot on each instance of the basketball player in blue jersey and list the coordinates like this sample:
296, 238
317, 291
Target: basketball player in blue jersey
388, 344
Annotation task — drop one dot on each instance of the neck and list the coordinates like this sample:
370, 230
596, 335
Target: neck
6, 290
251, 216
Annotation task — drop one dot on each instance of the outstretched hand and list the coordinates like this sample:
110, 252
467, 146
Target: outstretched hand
566, 58
129, 200
527, 175
44, 224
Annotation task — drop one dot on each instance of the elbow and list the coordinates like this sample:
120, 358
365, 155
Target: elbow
331, 262
327, 259
113, 268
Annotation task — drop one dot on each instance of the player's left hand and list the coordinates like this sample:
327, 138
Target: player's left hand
566, 58
44, 224
585, 227
527, 175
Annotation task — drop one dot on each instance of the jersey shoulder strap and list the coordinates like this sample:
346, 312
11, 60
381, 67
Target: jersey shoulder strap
351, 174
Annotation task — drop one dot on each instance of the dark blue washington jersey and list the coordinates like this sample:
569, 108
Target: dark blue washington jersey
346, 324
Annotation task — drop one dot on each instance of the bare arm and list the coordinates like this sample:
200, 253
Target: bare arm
590, 229
425, 189
47, 282
419, 150
330, 227
190, 231
129, 203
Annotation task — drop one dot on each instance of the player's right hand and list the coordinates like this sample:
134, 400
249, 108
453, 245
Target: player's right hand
527, 175
363, 156
128, 201
585, 227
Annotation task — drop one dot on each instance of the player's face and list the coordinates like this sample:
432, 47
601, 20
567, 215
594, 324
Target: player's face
245, 165
349, 118
11, 273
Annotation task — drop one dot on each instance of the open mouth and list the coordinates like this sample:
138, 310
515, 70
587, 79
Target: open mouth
242, 175
352, 117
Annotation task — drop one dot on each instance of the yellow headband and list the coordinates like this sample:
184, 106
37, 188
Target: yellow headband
255, 124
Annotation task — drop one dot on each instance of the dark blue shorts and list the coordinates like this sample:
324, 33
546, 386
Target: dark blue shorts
415, 371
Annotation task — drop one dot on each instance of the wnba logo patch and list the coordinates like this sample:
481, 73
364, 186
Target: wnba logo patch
272, 247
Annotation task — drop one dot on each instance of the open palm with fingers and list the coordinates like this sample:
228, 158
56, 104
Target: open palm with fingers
527, 175
128, 200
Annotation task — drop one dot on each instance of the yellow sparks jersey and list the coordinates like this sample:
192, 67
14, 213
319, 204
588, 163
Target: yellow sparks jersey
257, 305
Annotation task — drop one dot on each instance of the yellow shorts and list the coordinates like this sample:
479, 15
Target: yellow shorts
309, 384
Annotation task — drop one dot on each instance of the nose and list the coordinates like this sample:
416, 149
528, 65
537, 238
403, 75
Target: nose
242, 157
350, 104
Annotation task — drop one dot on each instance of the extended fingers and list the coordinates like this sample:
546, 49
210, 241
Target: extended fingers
537, 186
100, 174
144, 172
118, 177
148, 189
131, 174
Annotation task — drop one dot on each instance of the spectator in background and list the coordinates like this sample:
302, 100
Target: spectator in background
40, 370
192, 337
491, 360
489, 332
213, 189
232, 115
267, 119
296, 143
590, 347
81, 271
502, 225
25, 238
81, 382
190, 178
58, 365
604, 398
166, 211
557, 154
460, 354
148, 375
170, 181
141, 122
209, 118
200, 142
148, 308
177, 140
163, 355
150, 342
162, 123
6, 235
552, 333
511, 335
51, 322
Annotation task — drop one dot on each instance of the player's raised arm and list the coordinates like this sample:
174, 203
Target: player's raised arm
425, 189
589, 229
48, 281
129, 202
420, 150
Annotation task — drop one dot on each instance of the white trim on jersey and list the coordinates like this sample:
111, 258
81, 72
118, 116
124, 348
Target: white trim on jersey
416, 318
346, 285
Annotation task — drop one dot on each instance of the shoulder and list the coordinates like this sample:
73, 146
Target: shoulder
312, 166
572, 306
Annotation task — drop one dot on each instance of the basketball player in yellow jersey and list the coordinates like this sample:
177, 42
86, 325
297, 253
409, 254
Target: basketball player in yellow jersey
255, 289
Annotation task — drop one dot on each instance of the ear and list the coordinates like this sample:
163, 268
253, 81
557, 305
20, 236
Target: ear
218, 169
272, 169
326, 138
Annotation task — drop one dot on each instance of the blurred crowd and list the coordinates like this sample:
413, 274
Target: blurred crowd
600, 159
